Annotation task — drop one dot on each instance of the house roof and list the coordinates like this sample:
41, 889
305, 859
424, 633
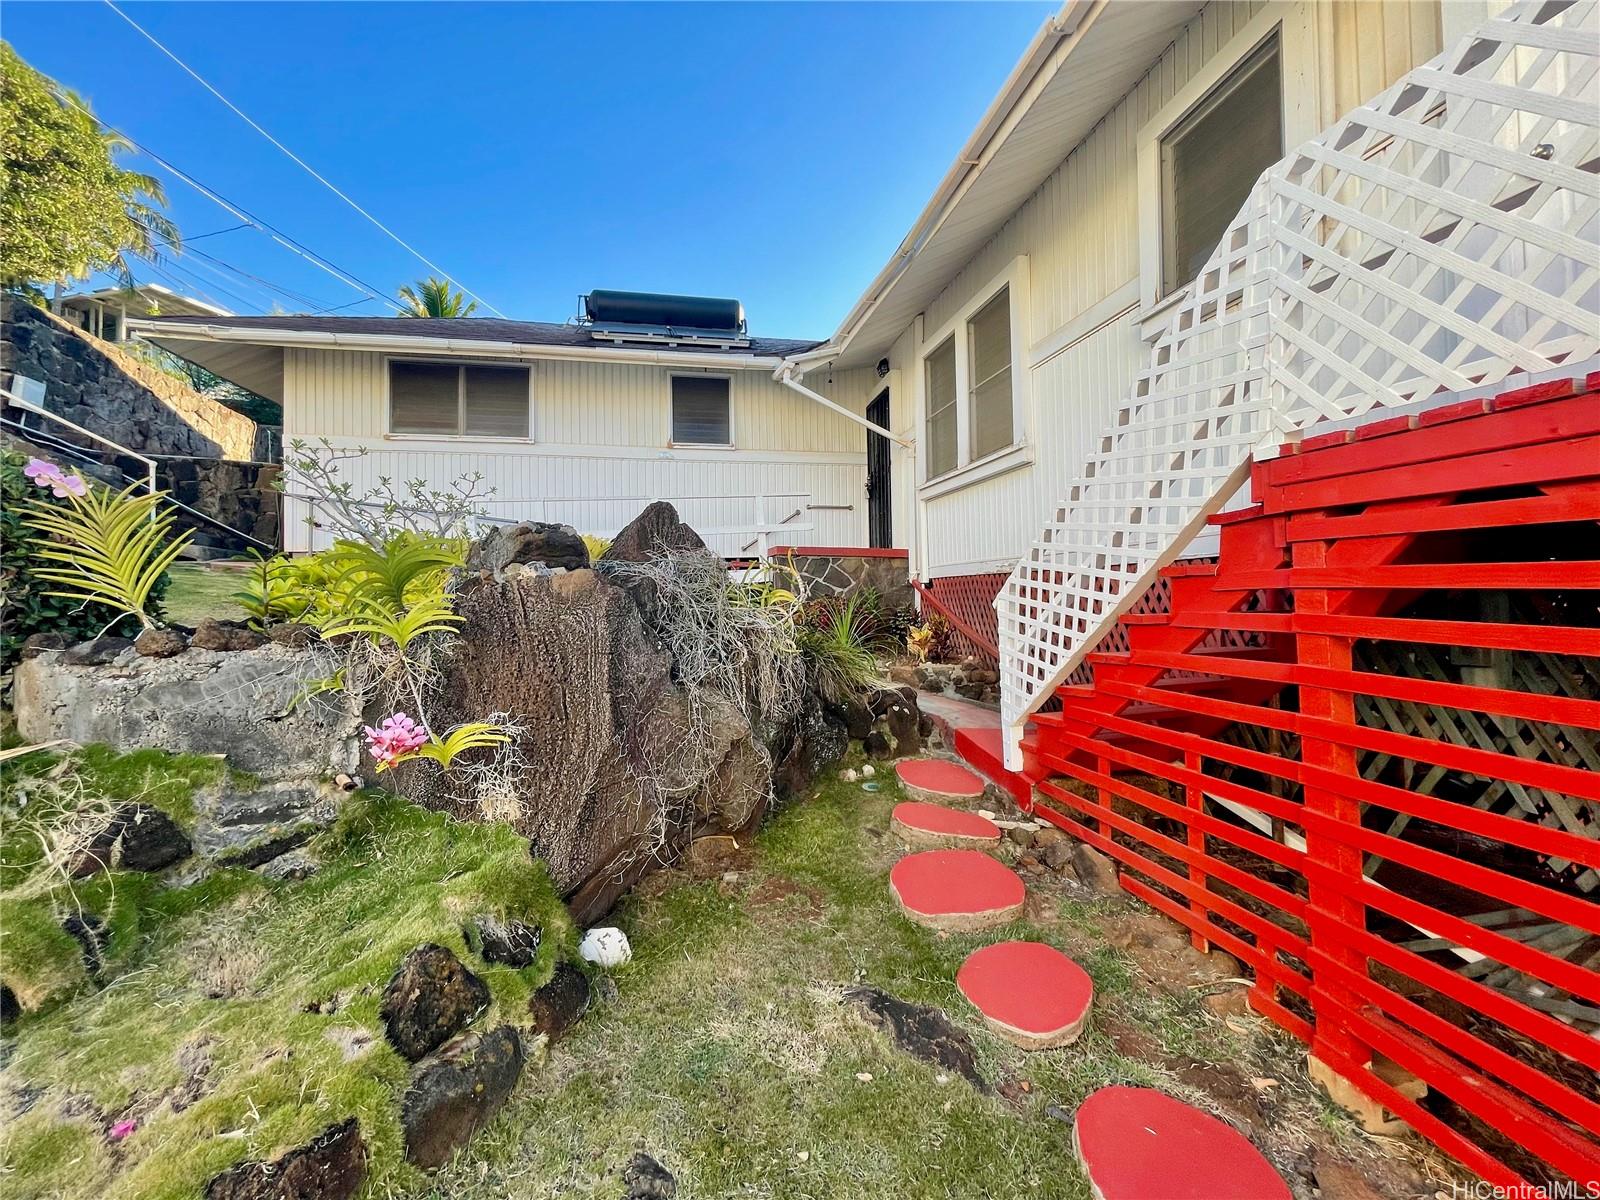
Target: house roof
148, 298
1083, 61
249, 350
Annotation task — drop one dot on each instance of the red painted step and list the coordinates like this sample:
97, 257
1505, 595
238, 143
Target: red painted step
936, 780
961, 891
1029, 993
1141, 1144
923, 824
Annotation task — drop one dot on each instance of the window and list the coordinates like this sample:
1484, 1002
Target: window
1212, 158
700, 414
941, 421
457, 401
989, 356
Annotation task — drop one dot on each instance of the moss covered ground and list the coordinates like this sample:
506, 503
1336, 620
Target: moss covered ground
238, 1016
724, 1049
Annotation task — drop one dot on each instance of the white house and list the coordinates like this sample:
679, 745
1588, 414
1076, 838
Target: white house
994, 345
582, 423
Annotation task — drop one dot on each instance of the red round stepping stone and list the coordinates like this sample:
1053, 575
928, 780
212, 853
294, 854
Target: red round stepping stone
957, 890
924, 824
1141, 1144
934, 780
1029, 993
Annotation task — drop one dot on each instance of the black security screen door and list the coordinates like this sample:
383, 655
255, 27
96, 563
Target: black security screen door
880, 533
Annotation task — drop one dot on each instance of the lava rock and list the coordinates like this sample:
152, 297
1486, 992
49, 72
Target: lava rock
160, 643
212, 634
332, 1167
89, 931
138, 837
877, 744
453, 1093
295, 865
555, 546
920, 1031
1058, 856
557, 1006
293, 635
43, 643
903, 720
646, 1179
655, 531
858, 718
10, 1006
96, 653
510, 943
1022, 835
1095, 871
430, 999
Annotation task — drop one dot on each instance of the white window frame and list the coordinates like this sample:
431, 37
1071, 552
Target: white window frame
1013, 278
461, 415
1295, 28
733, 437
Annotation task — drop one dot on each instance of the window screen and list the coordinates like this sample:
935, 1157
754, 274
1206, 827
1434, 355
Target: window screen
990, 333
497, 401
700, 411
424, 398
436, 398
1212, 159
941, 420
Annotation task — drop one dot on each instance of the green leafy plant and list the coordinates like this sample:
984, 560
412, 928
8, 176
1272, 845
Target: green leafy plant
842, 637
407, 568
434, 297
28, 603
597, 545
273, 591
430, 614
472, 735
113, 548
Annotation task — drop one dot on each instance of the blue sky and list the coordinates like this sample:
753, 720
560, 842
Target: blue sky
772, 152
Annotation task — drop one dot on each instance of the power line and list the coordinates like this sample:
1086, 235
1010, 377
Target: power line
187, 248
300, 162
277, 235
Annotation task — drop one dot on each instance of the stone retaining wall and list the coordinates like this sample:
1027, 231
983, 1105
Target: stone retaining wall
844, 570
102, 387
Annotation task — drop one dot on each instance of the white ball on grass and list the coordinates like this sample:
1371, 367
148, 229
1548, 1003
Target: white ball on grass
605, 947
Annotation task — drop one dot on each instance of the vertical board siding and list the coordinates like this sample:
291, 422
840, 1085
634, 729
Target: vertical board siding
1080, 232
600, 450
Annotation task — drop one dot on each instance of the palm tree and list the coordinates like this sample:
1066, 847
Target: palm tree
433, 297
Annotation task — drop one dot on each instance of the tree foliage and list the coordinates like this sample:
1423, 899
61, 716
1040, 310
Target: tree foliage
434, 297
66, 206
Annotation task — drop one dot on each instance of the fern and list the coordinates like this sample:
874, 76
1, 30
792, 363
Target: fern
113, 547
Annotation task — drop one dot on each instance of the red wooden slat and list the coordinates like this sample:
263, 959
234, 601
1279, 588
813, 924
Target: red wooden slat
1565, 1150
1485, 635
1530, 510
1582, 576
1530, 706
1514, 1071
1490, 764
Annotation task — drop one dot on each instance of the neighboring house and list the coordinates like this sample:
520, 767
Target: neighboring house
105, 313
583, 424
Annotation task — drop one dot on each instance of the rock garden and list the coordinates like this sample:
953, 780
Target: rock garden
523, 864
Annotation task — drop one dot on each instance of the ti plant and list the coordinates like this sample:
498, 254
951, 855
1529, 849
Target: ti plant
110, 548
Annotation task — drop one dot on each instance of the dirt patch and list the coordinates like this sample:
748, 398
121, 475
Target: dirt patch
779, 891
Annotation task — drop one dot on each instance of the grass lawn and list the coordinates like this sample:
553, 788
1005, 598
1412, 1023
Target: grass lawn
727, 1054
199, 591
724, 1049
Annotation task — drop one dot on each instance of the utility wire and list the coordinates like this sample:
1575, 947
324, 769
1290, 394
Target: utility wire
305, 166
187, 248
221, 201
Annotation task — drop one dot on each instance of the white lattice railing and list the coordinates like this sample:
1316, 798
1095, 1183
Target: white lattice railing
1440, 238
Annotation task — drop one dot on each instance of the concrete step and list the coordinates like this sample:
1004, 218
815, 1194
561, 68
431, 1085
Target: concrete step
937, 780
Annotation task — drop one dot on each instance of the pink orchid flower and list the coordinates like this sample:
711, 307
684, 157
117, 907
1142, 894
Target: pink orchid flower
394, 738
122, 1129
47, 475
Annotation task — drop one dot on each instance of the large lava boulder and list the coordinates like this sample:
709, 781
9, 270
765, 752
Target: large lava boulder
456, 1091
430, 999
530, 542
615, 764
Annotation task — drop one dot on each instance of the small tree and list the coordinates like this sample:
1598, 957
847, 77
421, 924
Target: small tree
66, 207
434, 297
